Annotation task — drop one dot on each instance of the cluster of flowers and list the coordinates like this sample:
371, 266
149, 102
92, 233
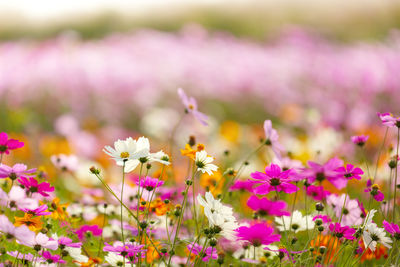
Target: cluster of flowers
301, 214
297, 68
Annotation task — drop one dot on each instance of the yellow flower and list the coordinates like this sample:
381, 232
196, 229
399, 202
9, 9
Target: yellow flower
33, 222
230, 130
59, 210
190, 152
214, 182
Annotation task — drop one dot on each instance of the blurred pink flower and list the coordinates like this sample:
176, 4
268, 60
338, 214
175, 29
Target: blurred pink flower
7, 144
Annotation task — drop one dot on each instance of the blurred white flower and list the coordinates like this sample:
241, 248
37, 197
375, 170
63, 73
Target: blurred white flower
296, 223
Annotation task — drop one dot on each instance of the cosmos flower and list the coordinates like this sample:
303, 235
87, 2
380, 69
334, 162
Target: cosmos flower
7, 144
150, 183
323, 218
65, 162
272, 137
190, 104
209, 253
342, 232
34, 223
15, 171
392, 229
38, 241
389, 120
115, 259
320, 172
203, 163
273, 180
241, 185
317, 192
359, 140
94, 229
17, 198
40, 211
350, 172
372, 235
10, 231
297, 222
129, 249
265, 207
374, 190
257, 234
350, 211
33, 186
52, 258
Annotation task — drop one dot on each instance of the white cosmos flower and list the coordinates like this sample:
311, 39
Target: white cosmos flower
219, 215
76, 254
299, 222
160, 157
114, 259
203, 162
372, 235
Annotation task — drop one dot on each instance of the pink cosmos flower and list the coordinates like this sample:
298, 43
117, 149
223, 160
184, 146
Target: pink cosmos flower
208, 253
67, 242
317, 192
350, 172
257, 234
7, 144
392, 228
320, 172
41, 211
352, 213
323, 218
17, 198
273, 180
374, 191
272, 137
26, 256
342, 232
52, 258
359, 140
94, 229
389, 120
130, 250
31, 185
65, 162
10, 231
264, 207
150, 183
38, 241
241, 185
190, 104
15, 171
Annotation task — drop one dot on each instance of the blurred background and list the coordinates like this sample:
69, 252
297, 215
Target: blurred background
75, 75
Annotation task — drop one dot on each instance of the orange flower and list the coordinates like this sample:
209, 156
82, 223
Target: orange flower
159, 207
33, 222
331, 244
59, 211
214, 183
377, 254
190, 152
90, 263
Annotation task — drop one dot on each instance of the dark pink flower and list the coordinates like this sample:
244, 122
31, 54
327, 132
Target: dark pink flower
130, 250
350, 172
150, 183
264, 207
41, 211
317, 192
359, 140
15, 171
389, 120
31, 185
373, 189
327, 171
257, 234
52, 258
273, 180
392, 228
241, 185
7, 144
323, 218
190, 104
342, 232
209, 253
94, 229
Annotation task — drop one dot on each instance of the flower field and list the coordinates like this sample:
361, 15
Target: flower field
193, 148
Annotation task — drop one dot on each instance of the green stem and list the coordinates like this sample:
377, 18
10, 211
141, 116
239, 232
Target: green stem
395, 179
122, 197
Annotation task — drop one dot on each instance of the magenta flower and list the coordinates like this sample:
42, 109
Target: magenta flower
15, 171
208, 253
350, 172
389, 120
272, 137
150, 183
392, 228
320, 172
257, 234
8, 144
373, 189
317, 192
52, 258
31, 185
190, 104
41, 211
264, 207
342, 232
359, 140
241, 185
94, 229
67, 242
130, 250
273, 180
323, 218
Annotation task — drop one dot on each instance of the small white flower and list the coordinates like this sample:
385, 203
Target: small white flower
299, 222
203, 162
114, 259
76, 254
372, 235
160, 157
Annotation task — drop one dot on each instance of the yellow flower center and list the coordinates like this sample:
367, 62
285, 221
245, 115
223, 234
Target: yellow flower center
375, 186
124, 155
191, 106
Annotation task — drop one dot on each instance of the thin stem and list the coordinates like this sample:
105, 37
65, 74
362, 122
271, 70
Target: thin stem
395, 179
138, 200
379, 153
122, 197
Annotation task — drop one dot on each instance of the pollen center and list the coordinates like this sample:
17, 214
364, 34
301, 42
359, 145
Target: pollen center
190, 106
124, 155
